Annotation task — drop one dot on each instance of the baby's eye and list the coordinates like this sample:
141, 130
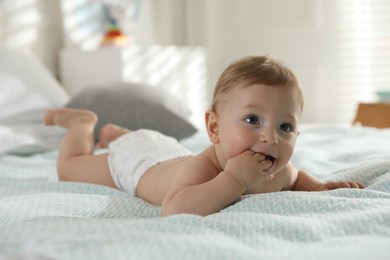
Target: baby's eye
252, 119
286, 127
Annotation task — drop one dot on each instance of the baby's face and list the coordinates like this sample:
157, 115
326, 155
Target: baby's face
260, 118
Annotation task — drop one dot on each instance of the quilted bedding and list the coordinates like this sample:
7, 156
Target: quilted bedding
41, 218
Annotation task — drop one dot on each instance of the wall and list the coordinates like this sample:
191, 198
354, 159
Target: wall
34, 25
304, 33
301, 32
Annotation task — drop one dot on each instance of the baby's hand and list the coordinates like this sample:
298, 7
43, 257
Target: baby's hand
338, 185
249, 168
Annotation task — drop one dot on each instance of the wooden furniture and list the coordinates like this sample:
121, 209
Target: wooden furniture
373, 114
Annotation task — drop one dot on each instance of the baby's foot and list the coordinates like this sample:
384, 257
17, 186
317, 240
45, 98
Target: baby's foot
66, 116
109, 133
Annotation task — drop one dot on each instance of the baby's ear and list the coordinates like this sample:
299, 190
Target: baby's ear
212, 126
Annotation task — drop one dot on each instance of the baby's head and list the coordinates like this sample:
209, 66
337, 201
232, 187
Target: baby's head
265, 70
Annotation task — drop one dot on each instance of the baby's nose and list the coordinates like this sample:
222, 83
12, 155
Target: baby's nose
268, 136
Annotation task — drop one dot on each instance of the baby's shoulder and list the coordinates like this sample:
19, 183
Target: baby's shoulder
198, 167
287, 176
201, 163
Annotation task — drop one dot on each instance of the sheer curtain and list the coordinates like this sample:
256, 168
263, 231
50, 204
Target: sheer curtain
363, 52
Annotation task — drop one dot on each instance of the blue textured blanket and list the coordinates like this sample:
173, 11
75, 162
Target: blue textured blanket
51, 220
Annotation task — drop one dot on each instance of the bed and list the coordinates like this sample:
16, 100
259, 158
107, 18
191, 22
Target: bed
41, 218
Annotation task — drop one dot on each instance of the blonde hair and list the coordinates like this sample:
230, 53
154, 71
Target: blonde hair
265, 70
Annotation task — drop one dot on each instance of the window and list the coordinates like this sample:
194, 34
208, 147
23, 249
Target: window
364, 52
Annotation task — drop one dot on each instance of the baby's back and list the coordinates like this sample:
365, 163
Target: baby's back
158, 180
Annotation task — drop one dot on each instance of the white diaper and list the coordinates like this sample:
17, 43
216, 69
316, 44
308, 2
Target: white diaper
132, 154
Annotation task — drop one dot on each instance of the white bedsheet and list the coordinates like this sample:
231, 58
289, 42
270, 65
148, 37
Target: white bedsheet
25, 134
49, 220
27, 139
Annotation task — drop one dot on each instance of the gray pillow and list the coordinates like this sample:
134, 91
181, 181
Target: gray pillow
135, 106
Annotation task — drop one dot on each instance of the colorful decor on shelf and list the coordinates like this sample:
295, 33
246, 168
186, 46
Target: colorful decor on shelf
114, 36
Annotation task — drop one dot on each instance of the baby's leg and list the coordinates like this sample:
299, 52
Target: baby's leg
76, 161
109, 133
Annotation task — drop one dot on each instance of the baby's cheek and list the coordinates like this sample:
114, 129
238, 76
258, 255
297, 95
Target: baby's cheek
231, 153
286, 152
235, 147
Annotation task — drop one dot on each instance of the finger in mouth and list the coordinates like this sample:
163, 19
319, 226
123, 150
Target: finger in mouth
270, 158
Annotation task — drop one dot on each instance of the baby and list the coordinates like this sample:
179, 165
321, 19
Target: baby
252, 125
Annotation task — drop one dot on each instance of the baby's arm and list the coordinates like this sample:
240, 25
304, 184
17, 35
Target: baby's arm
307, 182
195, 197
204, 191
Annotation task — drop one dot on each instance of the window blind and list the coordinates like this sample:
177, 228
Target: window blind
363, 52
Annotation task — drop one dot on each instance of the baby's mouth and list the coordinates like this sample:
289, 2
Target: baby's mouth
270, 158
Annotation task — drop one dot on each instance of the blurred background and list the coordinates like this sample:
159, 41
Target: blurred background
340, 49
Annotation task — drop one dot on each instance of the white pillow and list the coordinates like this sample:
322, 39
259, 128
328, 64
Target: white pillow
29, 139
25, 84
